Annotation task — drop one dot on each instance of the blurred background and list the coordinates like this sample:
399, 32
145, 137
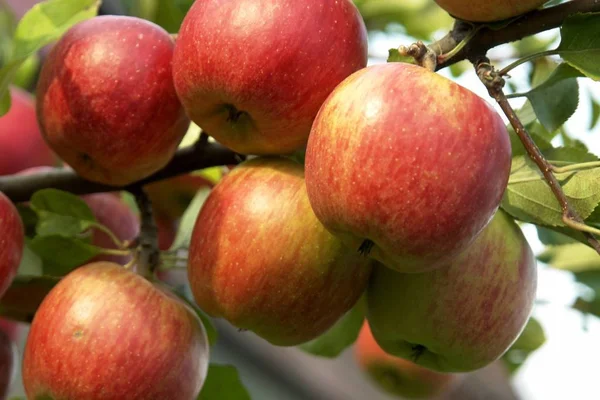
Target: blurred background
566, 366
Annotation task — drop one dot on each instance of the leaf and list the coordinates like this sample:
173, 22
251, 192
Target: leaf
395, 56
223, 383
340, 336
24, 296
574, 257
61, 254
43, 24
580, 43
29, 218
61, 203
569, 154
595, 113
31, 264
556, 100
550, 237
529, 198
588, 305
532, 338
188, 220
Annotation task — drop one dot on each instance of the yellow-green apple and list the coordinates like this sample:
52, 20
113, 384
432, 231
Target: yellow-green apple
104, 332
11, 242
106, 101
253, 73
487, 11
260, 258
20, 136
406, 165
396, 375
8, 363
462, 316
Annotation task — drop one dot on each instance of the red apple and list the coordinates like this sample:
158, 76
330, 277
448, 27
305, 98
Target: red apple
106, 100
490, 10
260, 258
11, 242
407, 164
463, 316
104, 332
395, 375
20, 137
253, 73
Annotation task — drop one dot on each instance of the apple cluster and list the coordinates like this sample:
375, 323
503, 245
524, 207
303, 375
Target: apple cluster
397, 200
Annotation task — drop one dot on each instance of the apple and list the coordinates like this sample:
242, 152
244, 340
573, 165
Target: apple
8, 363
260, 259
406, 165
171, 197
253, 73
464, 315
104, 332
20, 135
106, 101
395, 375
11, 242
487, 11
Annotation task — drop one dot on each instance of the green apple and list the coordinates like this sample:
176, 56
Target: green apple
398, 376
487, 11
406, 165
253, 73
464, 315
260, 259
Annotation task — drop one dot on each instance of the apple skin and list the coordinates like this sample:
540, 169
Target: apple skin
260, 259
104, 332
171, 197
106, 101
395, 375
487, 11
253, 73
464, 315
11, 242
19, 132
409, 160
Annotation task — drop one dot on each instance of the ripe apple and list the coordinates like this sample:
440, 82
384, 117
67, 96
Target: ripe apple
487, 11
104, 332
260, 258
253, 73
171, 197
8, 363
406, 165
395, 375
106, 101
20, 136
462, 316
11, 242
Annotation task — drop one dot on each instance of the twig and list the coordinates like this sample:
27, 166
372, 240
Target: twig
149, 253
494, 84
486, 38
20, 188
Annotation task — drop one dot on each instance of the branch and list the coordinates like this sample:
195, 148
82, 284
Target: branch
149, 254
20, 188
486, 38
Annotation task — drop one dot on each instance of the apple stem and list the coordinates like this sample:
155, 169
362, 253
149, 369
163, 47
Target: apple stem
149, 253
423, 55
494, 83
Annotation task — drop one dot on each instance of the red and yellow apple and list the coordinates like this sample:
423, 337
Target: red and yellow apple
406, 165
20, 137
395, 375
488, 11
106, 101
253, 73
104, 332
260, 259
464, 315
12, 239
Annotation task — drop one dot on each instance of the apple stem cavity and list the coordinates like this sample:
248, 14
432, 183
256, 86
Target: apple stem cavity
234, 115
365, 247
149, 253
417, 351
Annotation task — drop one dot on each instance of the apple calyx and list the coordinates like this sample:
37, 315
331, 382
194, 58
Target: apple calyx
365, 247
234, 115
417, 351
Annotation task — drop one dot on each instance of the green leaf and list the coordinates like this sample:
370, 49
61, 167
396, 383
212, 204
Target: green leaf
31, 264
556, 100
29, 218
595, 113
553, 238
61, 203
588, 305
24, 296
223, 383
569, 155
340, 336
580, 43
395, 56
529, 198
532, 338
43, 24
574, 257
61, 254
188, 220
